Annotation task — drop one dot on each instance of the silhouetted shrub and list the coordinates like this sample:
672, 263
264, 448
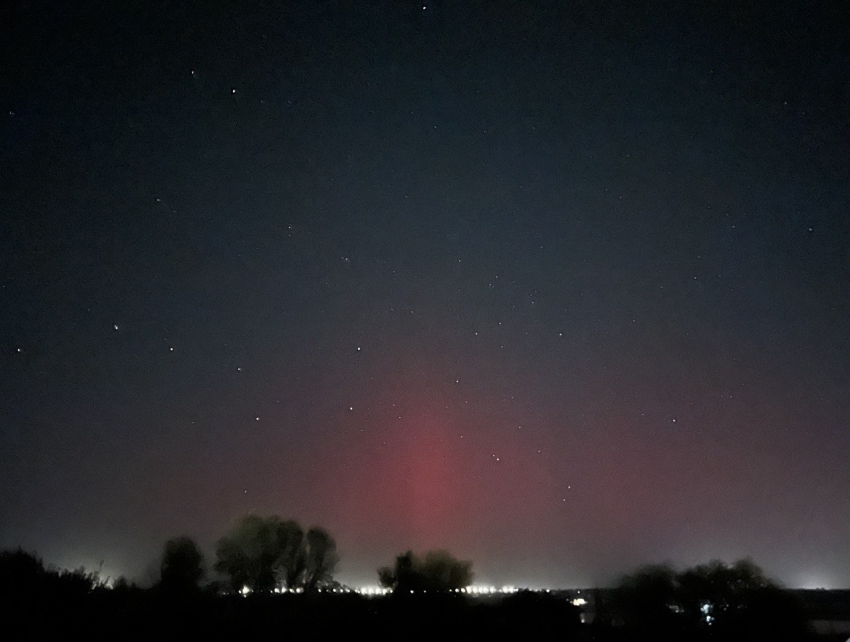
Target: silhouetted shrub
435, 571
21, 574
713, 601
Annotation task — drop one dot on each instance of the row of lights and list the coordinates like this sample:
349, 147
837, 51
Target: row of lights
374, 590
380, 590
486, 590
469, 590
368, 590
246, 590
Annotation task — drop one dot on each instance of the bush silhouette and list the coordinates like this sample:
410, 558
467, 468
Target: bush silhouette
436, 571
709, 601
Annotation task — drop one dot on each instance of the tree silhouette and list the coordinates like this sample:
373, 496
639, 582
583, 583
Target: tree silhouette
321, 558
181, 568
739, 600
710, 601
387, 577
436, 571
259, 552
264, 552
293, 559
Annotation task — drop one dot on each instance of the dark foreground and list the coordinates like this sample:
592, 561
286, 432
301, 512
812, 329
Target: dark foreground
38, 603
134, 614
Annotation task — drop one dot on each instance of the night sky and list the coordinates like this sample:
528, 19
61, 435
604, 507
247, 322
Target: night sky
563, 287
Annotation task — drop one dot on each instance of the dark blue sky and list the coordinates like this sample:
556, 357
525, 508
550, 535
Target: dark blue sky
562, 287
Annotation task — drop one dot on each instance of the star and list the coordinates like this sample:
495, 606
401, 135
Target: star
283, 273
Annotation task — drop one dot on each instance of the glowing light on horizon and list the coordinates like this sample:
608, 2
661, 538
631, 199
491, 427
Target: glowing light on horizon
373, 590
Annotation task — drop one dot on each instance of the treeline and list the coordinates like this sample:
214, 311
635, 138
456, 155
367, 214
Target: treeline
270, 555
270, 574
259, 554
713, 601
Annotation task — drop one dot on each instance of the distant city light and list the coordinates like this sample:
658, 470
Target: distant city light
373, 590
